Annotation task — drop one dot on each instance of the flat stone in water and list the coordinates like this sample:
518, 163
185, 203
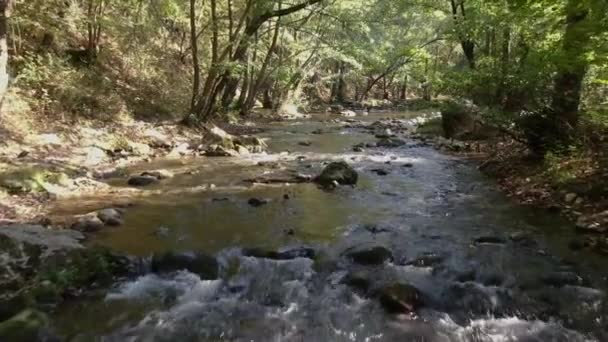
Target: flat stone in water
289, 254
489, 240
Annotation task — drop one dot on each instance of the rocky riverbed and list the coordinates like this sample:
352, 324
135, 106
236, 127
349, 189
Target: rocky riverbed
345, 230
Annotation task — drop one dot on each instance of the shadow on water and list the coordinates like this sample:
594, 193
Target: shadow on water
507, 290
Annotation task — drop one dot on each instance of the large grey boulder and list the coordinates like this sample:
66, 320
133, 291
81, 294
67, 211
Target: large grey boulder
337, 173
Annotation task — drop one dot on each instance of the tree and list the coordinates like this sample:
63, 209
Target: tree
5, 14
572, 67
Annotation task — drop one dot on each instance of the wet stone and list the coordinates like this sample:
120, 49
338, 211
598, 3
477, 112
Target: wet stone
390, 143
371, 256
110, 216
489, 240
380, 172
400, 298
359, 281
158, 174
561, 279
141, 181
523, 239
339, 172
289, 254
426, 260
88, 223
257, 202
203, 265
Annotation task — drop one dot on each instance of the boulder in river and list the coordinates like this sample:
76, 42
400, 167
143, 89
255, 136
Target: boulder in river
88, 223
220, 151
33, 256
205, 266
377, 255
111, 216
348, 113
158, 174
140, 181
400, 298
338, 172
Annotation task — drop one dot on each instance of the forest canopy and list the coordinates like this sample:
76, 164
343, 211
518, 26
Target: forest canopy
207, 59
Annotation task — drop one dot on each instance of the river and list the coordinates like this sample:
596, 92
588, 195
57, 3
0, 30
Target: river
488, 268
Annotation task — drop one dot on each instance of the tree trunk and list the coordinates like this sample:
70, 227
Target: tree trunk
504, 65
468, 45
569, 79
5, 13
195, 63
262, 75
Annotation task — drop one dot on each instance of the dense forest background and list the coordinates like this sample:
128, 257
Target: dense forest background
533, 64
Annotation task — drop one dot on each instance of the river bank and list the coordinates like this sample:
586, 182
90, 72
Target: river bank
572, 185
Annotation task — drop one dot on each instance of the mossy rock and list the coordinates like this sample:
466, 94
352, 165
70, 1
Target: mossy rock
31, 179
28, 325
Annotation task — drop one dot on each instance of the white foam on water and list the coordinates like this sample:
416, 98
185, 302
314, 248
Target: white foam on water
183, 284
509, 329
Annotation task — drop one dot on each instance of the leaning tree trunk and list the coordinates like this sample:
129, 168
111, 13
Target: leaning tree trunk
5, 13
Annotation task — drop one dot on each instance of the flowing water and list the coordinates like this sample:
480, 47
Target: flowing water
507, 291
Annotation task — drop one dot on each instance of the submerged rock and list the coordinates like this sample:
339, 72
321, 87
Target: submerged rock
390, 143
489, 240
377, 255
400, 298
338, 172
205, 266
426, 260
289, 254
357, 280
257, 202
561, 279
380, 172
